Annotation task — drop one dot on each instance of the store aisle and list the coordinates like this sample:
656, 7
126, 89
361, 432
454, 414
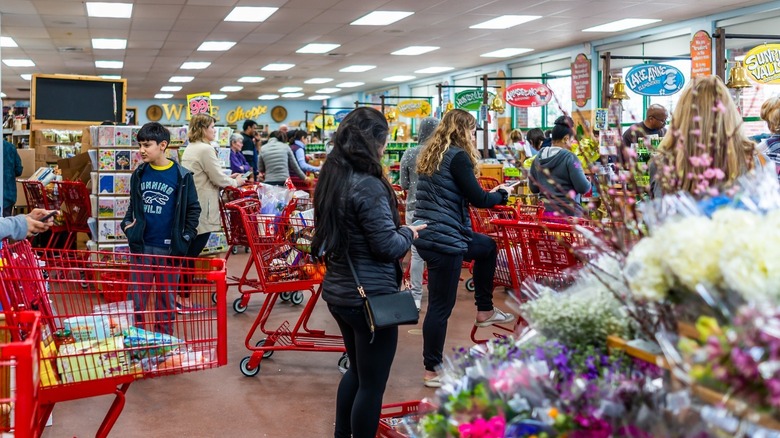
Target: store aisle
292, 396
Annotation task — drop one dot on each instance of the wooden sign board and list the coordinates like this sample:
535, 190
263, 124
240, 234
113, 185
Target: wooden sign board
64, 99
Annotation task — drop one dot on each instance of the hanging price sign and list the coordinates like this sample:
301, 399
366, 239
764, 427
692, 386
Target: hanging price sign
198, 103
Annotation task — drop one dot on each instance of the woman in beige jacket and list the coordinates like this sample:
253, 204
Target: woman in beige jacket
200, 158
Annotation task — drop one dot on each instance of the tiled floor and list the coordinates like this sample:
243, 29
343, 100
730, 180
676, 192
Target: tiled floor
292, 396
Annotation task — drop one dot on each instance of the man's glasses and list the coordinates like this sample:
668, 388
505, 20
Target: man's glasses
664, 121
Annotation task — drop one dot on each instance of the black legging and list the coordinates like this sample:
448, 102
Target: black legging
359, 397
443, 277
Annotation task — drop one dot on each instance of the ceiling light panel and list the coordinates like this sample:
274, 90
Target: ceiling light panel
112, 77
217, 96
357, 68
163, 96
19, 62
216, 46
317, 48
109, 64
251, 79
328, 90
431, 70
289, 89
181, 79
399, 78
171, 88
292, 95
318, 81
26, 76
250, 14
415, 50
195, 65
278, 67
109, 43
505, 21
617, 26
350, 84
231, 88
7, 42
109, 10
381, 18
318, 97
505, 53
268, 97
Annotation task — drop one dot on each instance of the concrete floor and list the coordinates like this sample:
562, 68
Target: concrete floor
292, 396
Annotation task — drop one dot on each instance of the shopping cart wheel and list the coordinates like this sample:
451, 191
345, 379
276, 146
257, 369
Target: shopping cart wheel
470, 285
285, 296
266, 354
296, 298
343, 363
234, 250
245, 370
238, 307
246, 249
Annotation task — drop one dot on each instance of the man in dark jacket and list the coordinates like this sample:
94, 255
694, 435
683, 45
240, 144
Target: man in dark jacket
249, 148
12, 168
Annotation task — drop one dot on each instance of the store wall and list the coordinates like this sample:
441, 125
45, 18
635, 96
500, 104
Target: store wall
228, 112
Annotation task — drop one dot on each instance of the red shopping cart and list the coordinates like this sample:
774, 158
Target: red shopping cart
20, 338
394, 415
102, 347
231, 220
281, 247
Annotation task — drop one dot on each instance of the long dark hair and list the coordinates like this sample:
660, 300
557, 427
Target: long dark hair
296, 134
357, 145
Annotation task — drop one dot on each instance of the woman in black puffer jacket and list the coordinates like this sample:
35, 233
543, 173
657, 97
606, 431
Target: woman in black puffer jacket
356, 215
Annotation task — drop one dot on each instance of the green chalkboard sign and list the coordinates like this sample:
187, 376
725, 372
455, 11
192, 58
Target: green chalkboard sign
77, 99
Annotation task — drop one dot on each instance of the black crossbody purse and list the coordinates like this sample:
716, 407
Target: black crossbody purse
386, 310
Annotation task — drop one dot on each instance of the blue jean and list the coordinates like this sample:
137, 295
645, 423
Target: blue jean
144, 273
417, 266
359, 397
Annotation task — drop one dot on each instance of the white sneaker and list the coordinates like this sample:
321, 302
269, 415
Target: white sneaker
498, 317
418, 303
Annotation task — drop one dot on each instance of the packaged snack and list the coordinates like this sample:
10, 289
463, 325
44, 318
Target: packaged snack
88, 328
149, 344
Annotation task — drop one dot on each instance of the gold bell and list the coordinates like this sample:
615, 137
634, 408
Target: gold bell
497, 105
391, 115
450, 106
738, 76
619, 90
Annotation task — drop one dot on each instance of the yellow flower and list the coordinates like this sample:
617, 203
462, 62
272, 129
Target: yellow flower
553, 413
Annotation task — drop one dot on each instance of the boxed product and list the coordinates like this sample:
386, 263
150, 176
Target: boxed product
90, 360
89, 328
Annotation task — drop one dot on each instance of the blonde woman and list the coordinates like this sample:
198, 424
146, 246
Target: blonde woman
770, 113
447, 184
200, 158
705, 147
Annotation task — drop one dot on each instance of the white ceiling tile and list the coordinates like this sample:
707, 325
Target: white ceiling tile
142, 12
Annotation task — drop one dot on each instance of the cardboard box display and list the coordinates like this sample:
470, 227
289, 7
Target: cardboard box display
77, 168
28, 162
90, 360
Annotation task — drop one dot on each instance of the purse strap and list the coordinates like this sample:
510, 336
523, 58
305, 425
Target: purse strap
354, 275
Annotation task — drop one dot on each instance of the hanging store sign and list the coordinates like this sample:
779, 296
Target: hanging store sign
330, 121
471, 100
701, 54
414, 108
763, 63
654, 79
580, 80
339, 116
528, 94
198, 103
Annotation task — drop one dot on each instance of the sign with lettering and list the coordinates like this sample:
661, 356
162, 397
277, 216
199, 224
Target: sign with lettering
199, 103
330, 122
600, 119
654, 79
701, 54
414, 108
580, 80
339, 116
763, 63
250, 114
527, 94
471, 100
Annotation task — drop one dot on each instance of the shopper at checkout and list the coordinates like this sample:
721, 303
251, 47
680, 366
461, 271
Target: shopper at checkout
277, 161
653, 124
557, 175
298, 140
447, 169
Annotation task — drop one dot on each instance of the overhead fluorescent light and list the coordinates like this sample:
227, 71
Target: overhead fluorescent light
218, 96
505, 53
431, 70
171, 88
195, 65
251, 14
231, 88
289, 89
350, 84
329, 90
278, 67
626, 23
26, 76
251, 79
292, 95
109, 10
319, 97
317, 48
318, 81
109, 43
268, 97
2, 94
181, 78
163, 96
111, 76
216, 46
381, 18
7, 42
505, 21
399, 78
19, 62
415, 50
357, 68
109, 64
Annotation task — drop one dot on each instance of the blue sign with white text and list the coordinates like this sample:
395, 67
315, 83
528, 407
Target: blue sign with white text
654, 79
339, 116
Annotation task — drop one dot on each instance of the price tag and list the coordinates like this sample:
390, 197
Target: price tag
199, 103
